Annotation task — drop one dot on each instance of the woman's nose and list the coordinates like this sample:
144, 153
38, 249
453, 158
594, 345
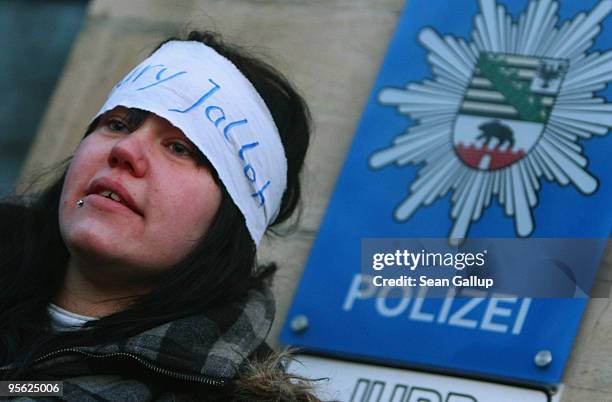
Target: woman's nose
129, 153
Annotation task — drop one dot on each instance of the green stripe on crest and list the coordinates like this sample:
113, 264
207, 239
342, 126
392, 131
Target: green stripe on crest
516, 91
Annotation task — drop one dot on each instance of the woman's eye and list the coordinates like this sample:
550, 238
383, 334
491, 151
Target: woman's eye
180, 149
117, 125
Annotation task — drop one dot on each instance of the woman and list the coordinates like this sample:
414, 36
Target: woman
133, 276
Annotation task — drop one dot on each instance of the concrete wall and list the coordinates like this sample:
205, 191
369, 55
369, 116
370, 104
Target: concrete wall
332, 50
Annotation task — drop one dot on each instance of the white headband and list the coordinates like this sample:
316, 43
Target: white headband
218, 109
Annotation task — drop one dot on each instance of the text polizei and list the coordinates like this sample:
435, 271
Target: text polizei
472, 309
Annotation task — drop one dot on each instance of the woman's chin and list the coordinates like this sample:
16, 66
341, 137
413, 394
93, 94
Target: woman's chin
97, 242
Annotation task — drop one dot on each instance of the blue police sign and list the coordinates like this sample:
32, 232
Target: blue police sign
488, 119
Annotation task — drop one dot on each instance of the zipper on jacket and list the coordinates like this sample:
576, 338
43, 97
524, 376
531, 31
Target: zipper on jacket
156, 369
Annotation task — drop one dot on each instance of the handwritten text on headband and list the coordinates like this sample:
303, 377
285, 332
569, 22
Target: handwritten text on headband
151, 80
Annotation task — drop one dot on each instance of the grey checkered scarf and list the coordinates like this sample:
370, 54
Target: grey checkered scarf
211, 346
214, 345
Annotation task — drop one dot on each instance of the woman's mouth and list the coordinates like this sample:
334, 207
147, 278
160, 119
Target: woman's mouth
114, 191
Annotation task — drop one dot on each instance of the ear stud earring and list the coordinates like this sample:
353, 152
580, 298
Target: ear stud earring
80, 203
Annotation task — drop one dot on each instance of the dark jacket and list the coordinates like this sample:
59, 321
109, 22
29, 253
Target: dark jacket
213, 356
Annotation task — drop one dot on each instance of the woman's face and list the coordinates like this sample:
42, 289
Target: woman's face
147, 201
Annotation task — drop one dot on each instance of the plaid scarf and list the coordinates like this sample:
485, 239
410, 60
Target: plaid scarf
186, 359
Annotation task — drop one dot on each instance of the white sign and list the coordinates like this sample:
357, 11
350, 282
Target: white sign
355, 382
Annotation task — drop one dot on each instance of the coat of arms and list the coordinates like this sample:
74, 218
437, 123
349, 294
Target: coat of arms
503, 111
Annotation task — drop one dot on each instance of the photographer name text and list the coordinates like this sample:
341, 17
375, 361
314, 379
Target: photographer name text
411, 261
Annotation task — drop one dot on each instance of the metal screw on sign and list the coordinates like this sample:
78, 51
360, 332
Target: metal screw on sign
299, 323
543, 358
